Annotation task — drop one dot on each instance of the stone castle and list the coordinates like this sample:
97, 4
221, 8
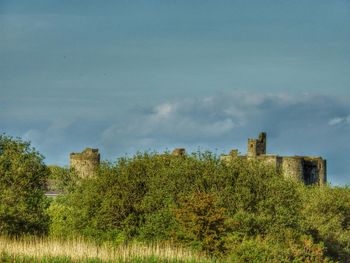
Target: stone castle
307, 169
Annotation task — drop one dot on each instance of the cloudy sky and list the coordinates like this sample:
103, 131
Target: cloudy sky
127, 76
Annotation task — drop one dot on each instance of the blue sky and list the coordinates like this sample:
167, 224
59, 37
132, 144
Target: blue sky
125, 76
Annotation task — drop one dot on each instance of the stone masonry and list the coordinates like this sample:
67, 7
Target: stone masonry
86, 162
179, 152
308, 169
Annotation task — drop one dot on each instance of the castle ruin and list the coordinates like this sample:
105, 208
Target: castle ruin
308, 169
86, 162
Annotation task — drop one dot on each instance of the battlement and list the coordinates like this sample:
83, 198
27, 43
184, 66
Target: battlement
86, 162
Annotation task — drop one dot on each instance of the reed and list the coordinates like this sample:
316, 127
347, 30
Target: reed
82, 250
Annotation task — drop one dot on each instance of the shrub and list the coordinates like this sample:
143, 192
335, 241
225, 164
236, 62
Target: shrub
243, 208
326, 216
258, 250
62, 179
22, 181
202, 223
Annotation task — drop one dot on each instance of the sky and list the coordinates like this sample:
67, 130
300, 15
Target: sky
128, 76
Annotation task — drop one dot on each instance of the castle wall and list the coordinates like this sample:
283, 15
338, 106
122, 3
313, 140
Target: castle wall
179, 152
315, 170
86, 162
322, 172
307, 169
292, 167
274, 160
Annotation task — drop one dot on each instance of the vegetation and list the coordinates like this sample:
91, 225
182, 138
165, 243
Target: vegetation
61, 179
50, 250
242, 211
23, 176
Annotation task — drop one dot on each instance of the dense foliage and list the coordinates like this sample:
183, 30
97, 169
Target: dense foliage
242, 211
239, 211
23, 176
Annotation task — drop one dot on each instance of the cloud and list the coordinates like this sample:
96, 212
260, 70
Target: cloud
227, 114
339, 120
303, 124
299, 124
164, 110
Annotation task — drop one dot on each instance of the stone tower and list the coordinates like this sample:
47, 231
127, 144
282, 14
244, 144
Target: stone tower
257, 147
86, 162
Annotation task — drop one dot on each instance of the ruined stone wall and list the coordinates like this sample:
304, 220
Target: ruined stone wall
314, 170
86, 162
310, 170
179, 152
261, 144
257, 147
252, 152
292, 167
273, 160
322, 172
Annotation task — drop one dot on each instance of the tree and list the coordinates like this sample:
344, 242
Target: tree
23, 176
61, 179
202, 222
326, 212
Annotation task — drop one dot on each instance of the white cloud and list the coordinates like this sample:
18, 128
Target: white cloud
164, 110
339, 120
335, 121
219, 118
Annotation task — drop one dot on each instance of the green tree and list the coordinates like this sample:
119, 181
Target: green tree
61, 178
243, 209
22, 182
326, 213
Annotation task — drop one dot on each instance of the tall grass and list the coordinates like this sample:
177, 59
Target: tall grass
81, 250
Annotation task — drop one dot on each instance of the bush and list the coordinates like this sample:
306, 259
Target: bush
62, 222
243, 208
61, 179
327, 217
22, 181
258, 250
202, 223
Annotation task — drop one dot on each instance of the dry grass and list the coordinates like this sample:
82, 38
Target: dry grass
78, 250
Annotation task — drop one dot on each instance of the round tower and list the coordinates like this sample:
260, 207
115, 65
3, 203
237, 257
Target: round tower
86, 162
293, 167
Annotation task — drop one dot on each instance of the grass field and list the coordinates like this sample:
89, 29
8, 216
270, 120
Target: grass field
49, 250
